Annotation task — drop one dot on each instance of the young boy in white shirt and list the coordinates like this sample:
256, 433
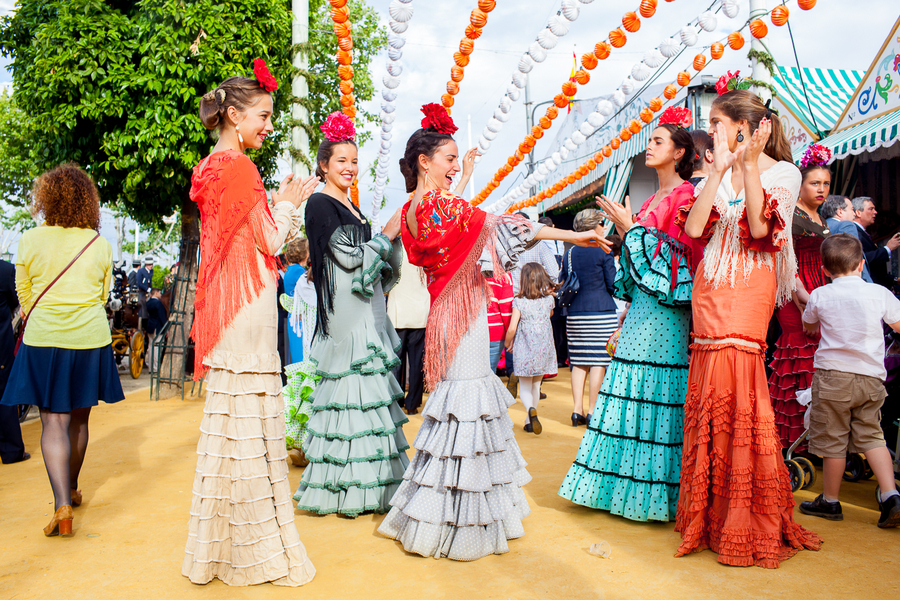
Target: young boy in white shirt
848, 387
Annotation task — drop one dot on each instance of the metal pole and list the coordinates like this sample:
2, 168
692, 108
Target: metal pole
758, 10
299, 87
137, 242
529, 123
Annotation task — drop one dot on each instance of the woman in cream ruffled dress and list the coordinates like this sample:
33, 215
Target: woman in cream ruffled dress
241, 527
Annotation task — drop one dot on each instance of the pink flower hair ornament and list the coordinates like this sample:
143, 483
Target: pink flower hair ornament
263, 76
338, 128
677, 115
816, 155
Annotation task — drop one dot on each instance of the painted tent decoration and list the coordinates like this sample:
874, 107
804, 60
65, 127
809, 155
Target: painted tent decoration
879, 92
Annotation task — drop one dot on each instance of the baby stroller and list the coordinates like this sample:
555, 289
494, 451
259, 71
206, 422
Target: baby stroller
801, 469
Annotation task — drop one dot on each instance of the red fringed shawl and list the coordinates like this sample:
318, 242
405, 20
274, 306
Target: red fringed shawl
452, 235
234, 213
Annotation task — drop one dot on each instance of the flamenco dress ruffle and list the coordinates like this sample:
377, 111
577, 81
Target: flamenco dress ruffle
355, 444
301, 382
629, 461
242, 528
462, 494
736, 496
792, 372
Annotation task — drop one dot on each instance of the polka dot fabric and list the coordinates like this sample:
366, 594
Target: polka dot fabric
462, 496
629, 461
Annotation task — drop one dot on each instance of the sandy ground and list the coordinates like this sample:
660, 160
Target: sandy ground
130, 533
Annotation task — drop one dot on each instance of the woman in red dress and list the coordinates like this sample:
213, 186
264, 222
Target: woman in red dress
792, 365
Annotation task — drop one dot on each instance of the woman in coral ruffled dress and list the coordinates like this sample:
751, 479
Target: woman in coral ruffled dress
735, 490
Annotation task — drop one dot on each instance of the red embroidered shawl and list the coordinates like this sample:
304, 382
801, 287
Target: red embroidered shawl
452, 235
234, 213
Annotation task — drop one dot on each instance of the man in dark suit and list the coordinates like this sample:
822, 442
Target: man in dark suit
877, 258
838, 214
144, 282
12, 450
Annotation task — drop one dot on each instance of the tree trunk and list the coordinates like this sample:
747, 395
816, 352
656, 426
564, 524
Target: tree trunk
182, 303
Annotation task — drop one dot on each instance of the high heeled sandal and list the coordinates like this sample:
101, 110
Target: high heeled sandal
76, 497
61, 523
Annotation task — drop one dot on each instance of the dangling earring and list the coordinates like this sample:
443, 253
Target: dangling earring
428, 183
740, 136
237, 128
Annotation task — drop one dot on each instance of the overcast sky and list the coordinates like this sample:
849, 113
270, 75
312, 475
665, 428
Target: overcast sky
832, 35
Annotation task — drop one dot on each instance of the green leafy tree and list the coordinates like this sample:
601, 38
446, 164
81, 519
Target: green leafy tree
114, 85
16, 156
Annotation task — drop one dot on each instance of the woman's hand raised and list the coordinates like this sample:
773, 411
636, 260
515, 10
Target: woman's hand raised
758, 142
593, 237
617, 213
392, 228
295, 190
723, 157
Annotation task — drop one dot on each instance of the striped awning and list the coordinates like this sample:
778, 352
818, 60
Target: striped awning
828, 90
881, 132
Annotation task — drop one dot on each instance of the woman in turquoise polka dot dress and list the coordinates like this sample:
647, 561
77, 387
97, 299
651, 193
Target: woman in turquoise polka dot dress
629, 461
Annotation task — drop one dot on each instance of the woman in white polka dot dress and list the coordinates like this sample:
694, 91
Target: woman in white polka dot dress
462, 494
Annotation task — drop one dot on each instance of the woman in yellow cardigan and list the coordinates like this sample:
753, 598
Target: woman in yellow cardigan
65, 364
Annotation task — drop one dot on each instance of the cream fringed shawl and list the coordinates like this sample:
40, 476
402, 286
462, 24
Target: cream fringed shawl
731, 246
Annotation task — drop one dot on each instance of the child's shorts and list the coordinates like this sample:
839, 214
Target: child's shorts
845, 413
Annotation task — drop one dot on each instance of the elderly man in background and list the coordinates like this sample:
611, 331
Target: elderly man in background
144, 282
838, 214
877, 258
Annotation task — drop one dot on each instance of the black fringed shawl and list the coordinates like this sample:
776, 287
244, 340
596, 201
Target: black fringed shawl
324, 215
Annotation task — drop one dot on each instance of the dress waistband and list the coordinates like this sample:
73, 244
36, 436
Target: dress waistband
738, 341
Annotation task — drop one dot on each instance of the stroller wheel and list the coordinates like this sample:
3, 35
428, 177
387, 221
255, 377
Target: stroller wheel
809, 471
796, 473
855, 468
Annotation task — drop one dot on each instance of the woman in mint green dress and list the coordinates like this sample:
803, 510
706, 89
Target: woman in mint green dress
629, 461
355, 444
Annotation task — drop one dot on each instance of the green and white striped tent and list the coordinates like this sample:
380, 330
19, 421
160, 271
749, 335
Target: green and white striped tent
827, 91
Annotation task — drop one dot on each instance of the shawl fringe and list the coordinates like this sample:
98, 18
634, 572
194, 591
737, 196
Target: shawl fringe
230, 282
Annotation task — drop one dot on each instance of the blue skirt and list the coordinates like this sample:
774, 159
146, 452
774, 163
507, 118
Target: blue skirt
61, 379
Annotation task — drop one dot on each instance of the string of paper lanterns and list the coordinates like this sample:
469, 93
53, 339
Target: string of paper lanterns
778, 16
401, 13
652, 61
477, 20
340, 14
616, 38
557, 27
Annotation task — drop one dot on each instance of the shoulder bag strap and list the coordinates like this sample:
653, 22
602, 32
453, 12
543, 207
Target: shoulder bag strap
46, 289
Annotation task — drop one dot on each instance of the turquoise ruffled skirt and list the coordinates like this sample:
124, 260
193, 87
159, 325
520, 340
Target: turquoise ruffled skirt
629, 461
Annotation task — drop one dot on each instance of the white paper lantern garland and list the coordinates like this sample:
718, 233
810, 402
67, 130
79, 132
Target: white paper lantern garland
558, 26
401, 12
653, 60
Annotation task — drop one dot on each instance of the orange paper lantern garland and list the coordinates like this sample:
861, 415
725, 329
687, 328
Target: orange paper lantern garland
616, 39
477, 20
779, 16
340, 14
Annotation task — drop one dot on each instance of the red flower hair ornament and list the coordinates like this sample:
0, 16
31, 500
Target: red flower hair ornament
731, 81
677, 115
436, 118
338, 128
265, 79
